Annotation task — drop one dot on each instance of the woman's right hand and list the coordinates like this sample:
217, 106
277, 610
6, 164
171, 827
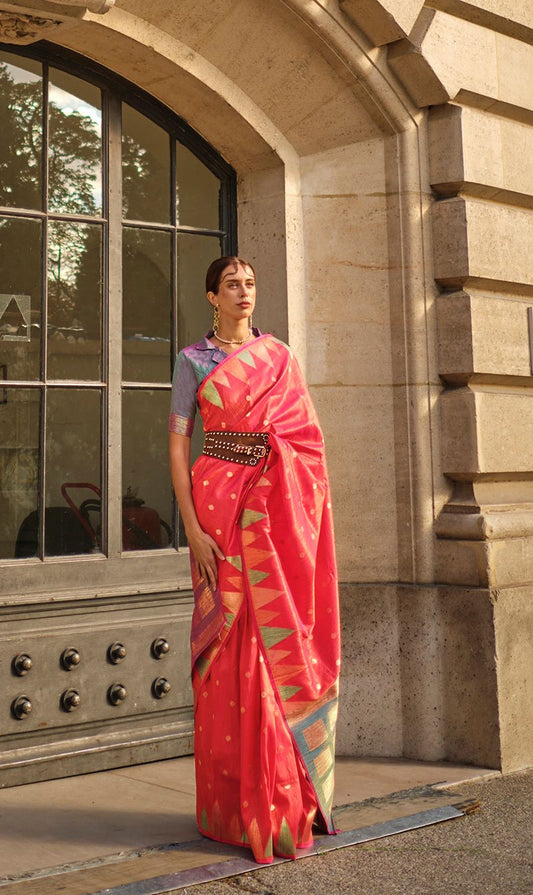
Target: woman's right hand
205, 551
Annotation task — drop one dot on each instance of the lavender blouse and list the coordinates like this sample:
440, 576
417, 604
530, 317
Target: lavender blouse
193, 364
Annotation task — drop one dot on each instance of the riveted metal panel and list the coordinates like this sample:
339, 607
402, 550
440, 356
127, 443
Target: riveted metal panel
146, 626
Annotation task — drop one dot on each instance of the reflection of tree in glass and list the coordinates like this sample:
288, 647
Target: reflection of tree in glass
20, 154
74, 269
74, 278
73, 162
137, 164
74, 152
146, 283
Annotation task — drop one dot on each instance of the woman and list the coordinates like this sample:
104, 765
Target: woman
265, 630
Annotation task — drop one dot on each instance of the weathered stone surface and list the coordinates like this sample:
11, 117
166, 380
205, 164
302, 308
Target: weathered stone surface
23, 28
262, 229
469, 676
487, 429
513, 616
416, 675
97, 6
455, 135
445, 56
385, 21
361, 458
480, 333
477, 240
512, 17
370, 714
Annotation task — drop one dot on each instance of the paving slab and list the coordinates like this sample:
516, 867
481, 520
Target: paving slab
130, 823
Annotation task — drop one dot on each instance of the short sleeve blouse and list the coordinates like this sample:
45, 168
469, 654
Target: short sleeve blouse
193, 364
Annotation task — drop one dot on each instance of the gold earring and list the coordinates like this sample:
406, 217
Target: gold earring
216, 319
250, 323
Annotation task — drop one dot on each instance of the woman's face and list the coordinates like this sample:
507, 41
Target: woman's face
236, 293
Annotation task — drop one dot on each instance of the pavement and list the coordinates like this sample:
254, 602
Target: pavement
488, 852
131, 831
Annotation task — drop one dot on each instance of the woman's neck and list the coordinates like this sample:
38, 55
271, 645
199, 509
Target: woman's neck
233, 333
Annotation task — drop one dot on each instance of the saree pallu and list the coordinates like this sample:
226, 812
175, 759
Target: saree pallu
265, 642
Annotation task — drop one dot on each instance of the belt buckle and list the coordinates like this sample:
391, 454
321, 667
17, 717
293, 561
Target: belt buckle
260, 451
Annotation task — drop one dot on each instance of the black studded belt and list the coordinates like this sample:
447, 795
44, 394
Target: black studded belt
237, 447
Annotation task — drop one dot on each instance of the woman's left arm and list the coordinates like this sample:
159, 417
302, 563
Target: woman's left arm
205, 550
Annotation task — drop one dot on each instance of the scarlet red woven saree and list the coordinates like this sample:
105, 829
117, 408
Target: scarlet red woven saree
265, 643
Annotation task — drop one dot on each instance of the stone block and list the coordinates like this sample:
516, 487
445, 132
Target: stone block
445, 144
482, 334
420, 672
445, 56
482, 241
442, 56
361, 458
349, 354
345, 194
455, 137
448, 675
511, 562
512, 17
370, 721
419, 675
513, 616
383, 22
505, 428
463, 563
262, 230
459, 433
469, 677
455, 351
486, 429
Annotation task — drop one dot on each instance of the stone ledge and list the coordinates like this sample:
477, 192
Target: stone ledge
445, 55
511, 17
515, 522
383, 22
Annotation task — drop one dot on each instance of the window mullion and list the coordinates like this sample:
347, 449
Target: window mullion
114, 331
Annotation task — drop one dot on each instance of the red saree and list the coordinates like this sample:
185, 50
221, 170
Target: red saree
265, 643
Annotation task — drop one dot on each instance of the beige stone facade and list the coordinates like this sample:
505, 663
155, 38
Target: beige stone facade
383, 153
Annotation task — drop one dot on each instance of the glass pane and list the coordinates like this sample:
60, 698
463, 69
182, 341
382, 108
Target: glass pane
147, 504
19, 467
74, 300
21, 96
147, 303
73, 425
195, 314
75, 146
145, 168
20, 298
198, 191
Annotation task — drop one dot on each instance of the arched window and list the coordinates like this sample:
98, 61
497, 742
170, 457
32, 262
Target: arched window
111, 208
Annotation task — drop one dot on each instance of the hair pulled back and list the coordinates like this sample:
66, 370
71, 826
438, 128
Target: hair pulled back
216, 268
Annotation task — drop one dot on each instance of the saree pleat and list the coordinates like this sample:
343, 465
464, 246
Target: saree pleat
251, 785
265, 643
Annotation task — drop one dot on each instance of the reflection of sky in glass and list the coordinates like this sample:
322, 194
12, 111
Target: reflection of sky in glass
20, 75
69, 104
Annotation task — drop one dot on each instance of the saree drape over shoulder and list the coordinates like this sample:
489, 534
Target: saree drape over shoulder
265, 642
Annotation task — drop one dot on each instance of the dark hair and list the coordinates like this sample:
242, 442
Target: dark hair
216, 268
